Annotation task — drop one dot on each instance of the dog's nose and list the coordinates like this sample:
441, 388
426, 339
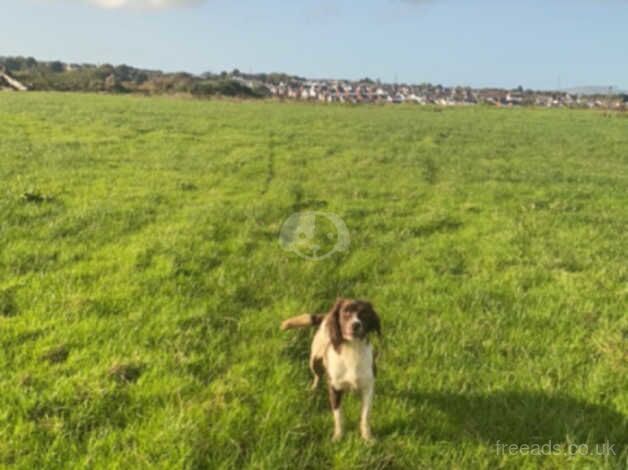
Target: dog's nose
357, 326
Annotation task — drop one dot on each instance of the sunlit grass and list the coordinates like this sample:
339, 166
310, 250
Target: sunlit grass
142, 282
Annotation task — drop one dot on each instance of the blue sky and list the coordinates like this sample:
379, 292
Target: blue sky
536, 44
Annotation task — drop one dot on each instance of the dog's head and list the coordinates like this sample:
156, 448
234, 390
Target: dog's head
351, 319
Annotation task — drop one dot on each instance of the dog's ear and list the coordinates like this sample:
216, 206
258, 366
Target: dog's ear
333, 324
371, 319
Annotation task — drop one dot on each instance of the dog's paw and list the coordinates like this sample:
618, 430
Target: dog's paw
337, 437
367, 437
369, 440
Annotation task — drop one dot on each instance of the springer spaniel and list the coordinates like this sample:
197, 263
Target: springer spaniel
341, 350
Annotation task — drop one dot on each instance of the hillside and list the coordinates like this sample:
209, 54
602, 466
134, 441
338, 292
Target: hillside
60, 76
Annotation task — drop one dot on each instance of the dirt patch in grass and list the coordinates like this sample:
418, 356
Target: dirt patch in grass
56, 355
125, 373
8, 305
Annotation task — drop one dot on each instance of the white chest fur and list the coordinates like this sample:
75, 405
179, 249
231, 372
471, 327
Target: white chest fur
352, 368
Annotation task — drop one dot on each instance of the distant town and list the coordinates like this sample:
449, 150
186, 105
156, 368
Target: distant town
355, 92
26, 73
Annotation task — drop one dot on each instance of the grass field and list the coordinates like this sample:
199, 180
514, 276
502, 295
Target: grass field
142, 283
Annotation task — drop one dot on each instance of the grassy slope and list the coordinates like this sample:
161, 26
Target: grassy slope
140, 302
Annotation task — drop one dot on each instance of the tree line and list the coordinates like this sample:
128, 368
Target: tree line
61, 76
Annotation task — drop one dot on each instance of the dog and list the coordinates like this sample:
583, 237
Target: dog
341, 350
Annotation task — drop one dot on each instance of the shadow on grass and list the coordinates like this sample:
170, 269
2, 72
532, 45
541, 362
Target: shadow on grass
511, 418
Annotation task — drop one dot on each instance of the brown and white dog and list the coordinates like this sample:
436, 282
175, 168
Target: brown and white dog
341, 350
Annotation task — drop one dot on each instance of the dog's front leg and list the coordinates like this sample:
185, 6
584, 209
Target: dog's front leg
335, 398
367, 403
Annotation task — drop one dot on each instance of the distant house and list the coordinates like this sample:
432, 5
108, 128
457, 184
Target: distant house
382, 95
512, 99
624, 98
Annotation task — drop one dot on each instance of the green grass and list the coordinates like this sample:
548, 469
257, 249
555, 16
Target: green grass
142, 282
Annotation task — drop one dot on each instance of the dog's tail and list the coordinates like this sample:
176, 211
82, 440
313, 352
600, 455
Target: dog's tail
302, 321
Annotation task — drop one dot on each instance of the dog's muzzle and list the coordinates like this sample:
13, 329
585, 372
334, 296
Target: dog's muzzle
357, 329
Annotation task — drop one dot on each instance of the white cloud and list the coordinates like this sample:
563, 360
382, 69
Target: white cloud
142, 4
